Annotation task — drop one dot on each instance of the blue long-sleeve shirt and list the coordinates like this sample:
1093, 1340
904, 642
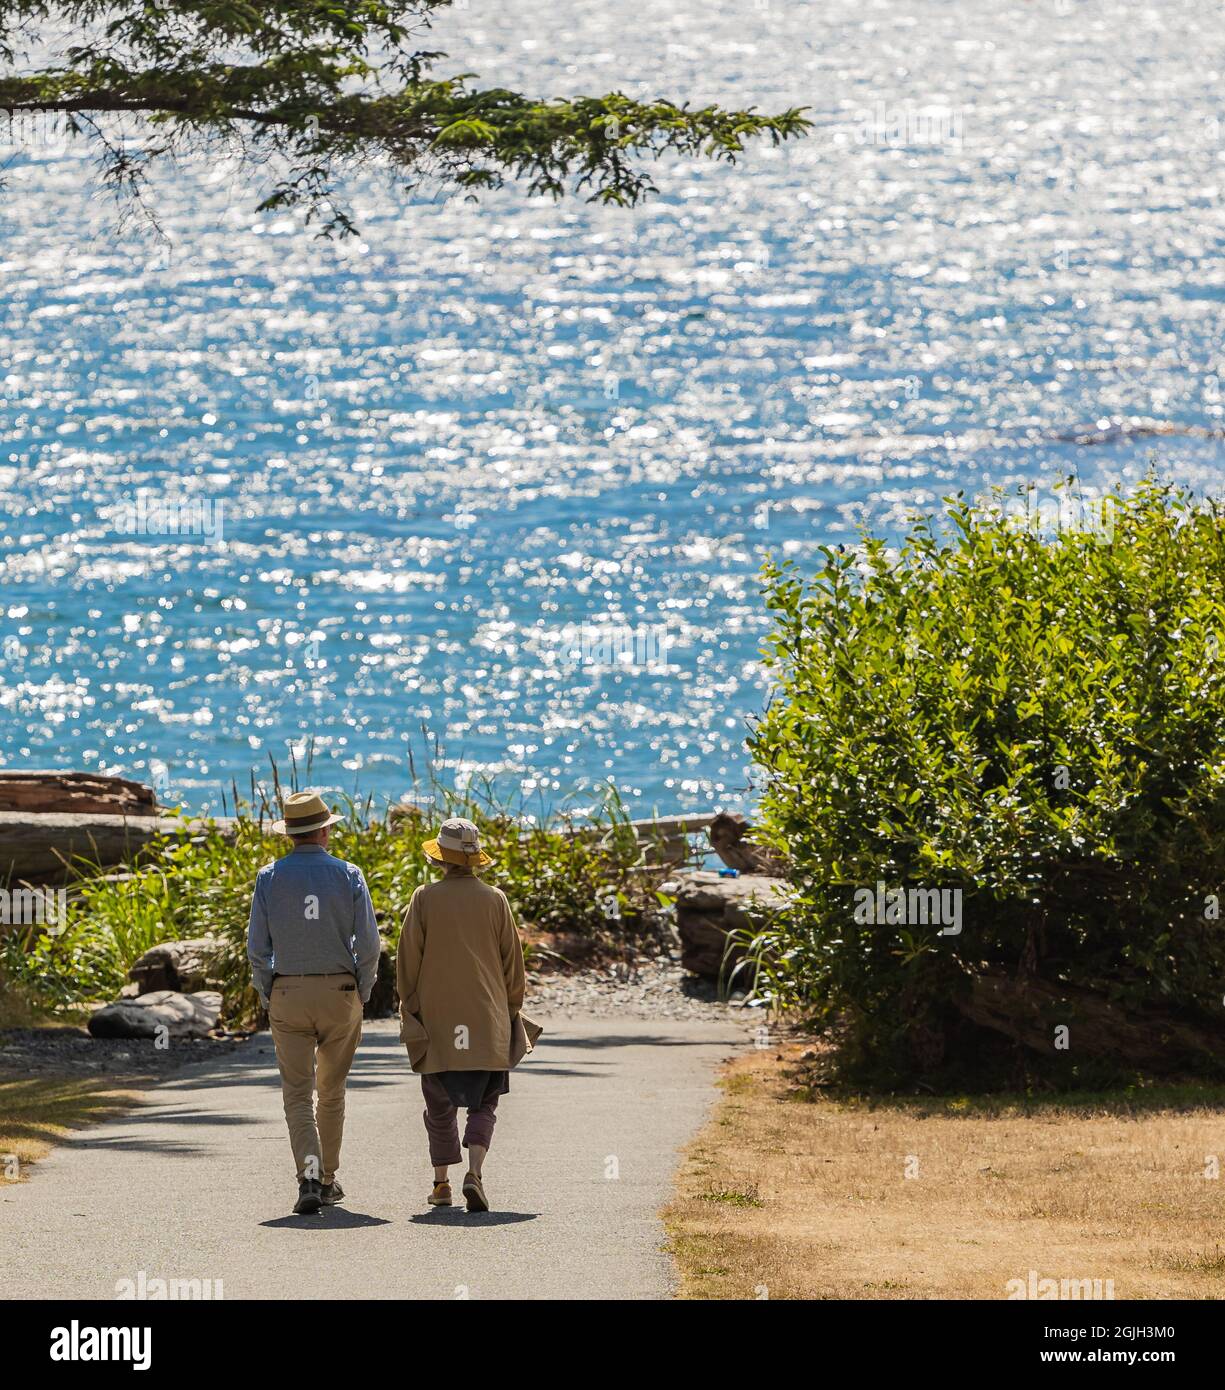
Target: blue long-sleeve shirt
311, 914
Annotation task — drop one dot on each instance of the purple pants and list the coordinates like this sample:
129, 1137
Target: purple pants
442, 1123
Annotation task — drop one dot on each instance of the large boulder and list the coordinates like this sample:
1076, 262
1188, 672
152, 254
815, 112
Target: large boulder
709, 905
185, 967
181, 1015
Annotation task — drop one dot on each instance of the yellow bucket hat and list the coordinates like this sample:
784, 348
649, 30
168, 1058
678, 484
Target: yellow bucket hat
458, 842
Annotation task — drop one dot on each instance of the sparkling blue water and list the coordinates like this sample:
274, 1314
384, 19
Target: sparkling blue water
504, 475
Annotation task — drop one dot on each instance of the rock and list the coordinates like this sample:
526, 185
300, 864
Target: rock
81, 793
183, 966
731, 838
384, 1001
181, 1015
708, 906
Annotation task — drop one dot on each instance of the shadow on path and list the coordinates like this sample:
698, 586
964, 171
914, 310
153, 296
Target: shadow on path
327, 1219
124, 1143
457, 1216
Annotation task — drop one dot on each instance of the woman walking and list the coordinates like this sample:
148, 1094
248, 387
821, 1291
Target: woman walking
459, 969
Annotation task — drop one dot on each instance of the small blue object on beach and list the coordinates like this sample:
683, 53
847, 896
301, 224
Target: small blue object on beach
729, 873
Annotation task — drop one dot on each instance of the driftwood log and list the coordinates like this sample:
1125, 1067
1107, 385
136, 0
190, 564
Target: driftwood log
1030, 1010
44, 847
80, 793
47, 847
664, 840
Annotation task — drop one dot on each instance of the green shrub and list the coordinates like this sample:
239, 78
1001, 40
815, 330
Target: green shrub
1036, 720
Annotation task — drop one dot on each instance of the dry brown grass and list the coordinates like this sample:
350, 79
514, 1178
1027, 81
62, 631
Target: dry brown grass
792, 1199
36, 1112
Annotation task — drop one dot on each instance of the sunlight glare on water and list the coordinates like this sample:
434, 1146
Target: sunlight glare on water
509, 471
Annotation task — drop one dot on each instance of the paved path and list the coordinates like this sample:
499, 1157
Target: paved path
196, 1183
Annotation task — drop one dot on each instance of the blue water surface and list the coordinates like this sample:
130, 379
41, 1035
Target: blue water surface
496, 481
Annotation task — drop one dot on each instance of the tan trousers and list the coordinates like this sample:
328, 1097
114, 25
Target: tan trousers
316, 1026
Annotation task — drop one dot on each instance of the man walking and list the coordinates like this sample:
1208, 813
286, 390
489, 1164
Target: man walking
314, 950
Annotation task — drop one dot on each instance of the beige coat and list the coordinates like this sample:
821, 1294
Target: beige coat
459, 969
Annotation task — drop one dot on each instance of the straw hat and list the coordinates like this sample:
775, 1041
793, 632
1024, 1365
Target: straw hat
304, 812
458, 842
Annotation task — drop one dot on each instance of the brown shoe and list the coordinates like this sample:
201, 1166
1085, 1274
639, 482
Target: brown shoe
474, 1193
441, 1195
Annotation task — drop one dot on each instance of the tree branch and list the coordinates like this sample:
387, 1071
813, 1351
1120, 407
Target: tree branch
314, 97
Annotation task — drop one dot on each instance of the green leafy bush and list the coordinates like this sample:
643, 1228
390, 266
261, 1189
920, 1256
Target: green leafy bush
1036, 720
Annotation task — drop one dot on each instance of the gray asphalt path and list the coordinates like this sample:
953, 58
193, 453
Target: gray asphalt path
197, 1182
